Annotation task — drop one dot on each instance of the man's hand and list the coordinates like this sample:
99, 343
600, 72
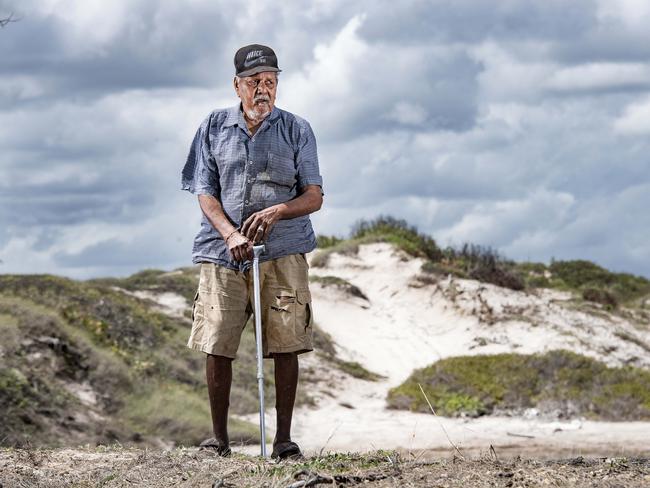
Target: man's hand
240, 247
258, 226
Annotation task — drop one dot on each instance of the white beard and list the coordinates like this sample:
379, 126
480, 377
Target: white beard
257, 115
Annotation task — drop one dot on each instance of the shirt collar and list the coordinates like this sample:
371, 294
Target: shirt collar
236, 116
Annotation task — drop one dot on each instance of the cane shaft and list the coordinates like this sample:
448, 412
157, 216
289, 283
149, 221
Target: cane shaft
258, 344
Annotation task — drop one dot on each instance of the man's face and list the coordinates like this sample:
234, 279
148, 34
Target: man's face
257, 94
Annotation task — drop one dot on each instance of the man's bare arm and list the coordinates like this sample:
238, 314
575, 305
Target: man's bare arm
258, 226
239, 246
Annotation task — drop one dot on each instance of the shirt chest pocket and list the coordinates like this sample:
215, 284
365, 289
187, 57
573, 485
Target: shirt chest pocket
231, 160
281, 170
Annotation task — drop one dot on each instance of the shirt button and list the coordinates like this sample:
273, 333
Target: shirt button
250, 162
247, 202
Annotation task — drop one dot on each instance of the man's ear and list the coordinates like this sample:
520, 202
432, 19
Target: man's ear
235, 83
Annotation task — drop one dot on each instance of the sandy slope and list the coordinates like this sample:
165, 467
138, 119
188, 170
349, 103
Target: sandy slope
406, 324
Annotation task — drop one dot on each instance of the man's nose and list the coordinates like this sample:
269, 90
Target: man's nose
262, 89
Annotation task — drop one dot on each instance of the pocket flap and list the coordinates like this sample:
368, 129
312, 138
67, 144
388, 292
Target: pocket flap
303, 296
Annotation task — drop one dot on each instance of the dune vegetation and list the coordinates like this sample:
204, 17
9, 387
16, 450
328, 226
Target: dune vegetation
91, 362
86, 362
558, 383
585, 279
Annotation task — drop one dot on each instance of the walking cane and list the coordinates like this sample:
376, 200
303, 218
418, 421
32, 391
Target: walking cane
257, 251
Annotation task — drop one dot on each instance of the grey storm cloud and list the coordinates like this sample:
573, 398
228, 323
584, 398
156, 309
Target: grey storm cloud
469, 21
518, 124
154, 45
113, 252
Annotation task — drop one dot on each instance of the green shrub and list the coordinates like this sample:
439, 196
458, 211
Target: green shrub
481, 263
323, 241
581, 274
498, 276
600, 296
348, 248
398, 232
557, 381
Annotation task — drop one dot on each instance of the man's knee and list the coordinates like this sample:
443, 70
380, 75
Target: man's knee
284, 356
217, 359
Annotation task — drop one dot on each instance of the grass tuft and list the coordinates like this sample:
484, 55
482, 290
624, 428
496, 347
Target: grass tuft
340, 283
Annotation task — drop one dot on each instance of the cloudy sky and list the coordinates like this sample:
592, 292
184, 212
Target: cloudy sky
524, 125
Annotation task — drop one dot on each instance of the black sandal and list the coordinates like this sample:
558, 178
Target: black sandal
212, 444
286, 450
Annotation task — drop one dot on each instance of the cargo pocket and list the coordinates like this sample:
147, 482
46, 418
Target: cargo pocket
281, 317
224, 321
283, 304
304, 315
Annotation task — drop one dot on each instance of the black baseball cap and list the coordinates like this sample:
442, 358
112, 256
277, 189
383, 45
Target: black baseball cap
255, 58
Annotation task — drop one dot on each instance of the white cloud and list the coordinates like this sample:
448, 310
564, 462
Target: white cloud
633, 13
406, 113
499, 223
507, 76
635, 119
592, 76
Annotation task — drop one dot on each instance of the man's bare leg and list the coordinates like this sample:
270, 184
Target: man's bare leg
218, 371
286, 383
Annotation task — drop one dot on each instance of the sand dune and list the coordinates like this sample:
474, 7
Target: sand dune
408, 323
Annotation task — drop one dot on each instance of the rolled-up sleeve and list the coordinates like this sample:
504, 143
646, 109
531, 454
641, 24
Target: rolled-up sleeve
200, 174
308, 172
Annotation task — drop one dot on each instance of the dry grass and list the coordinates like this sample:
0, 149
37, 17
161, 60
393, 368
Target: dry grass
120, 467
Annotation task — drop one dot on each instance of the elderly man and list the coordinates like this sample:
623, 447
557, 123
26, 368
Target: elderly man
255, 170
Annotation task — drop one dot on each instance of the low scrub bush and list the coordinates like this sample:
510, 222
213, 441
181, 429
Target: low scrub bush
398, 232
600, 296
323, 241
584, 275
480, 263
557, 381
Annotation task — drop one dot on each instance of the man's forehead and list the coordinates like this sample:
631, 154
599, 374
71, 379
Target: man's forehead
262, 75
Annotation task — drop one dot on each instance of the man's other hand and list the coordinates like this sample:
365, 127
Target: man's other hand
258, 226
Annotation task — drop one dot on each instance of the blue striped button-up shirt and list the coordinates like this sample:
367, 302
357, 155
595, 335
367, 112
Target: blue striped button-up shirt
248, 173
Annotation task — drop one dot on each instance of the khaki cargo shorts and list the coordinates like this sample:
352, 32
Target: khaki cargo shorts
224, 303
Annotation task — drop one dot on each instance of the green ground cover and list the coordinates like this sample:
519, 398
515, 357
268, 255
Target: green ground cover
559, 382
56, 332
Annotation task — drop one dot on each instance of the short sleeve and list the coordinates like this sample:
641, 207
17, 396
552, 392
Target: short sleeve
200, 174
307, 159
